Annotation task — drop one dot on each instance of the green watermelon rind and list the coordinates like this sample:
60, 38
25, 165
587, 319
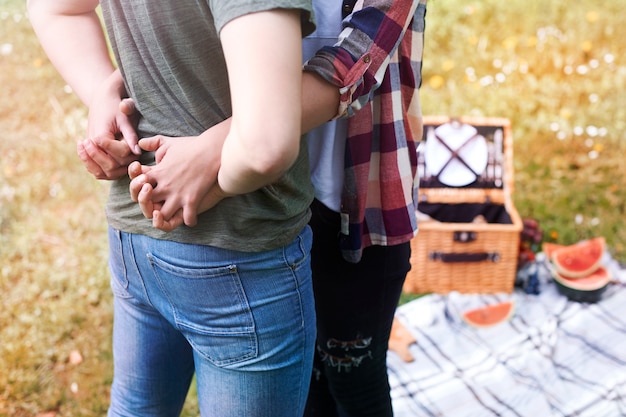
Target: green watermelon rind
574, 291
560, 261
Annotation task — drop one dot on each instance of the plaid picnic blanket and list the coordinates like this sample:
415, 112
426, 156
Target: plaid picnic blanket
554, 358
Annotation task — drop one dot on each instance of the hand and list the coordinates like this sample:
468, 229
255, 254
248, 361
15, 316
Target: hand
183, 183
111, 118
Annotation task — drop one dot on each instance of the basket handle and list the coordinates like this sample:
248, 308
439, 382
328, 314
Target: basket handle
464, 257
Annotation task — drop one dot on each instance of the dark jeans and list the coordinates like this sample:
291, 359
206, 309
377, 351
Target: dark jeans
355, 305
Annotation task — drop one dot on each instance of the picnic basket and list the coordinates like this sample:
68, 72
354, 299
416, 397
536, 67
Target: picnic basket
469, 228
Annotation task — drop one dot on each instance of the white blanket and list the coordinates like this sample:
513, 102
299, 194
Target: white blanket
554, 358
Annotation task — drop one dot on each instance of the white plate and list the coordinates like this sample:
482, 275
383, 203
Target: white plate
455, 135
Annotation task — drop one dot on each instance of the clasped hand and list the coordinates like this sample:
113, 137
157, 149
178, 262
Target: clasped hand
103, 154
183, 183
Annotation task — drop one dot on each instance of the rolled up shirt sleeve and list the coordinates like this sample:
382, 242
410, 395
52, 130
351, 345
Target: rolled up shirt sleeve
357, 62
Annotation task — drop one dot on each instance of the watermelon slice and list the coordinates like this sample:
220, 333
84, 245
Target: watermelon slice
597, 279
489, 315
580, 259
588, 289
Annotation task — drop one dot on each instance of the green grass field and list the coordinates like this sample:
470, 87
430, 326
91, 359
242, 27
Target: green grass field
556, 69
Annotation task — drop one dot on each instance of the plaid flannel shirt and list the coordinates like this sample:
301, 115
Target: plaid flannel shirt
376, 64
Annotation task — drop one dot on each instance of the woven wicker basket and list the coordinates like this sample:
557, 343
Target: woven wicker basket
473, 254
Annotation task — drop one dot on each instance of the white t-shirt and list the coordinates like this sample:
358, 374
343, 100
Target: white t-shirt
327, 142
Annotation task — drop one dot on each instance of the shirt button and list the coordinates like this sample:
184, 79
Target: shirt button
367, 59
347, 8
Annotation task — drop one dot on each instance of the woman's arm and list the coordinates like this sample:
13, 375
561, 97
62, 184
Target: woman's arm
71, 34
263, 57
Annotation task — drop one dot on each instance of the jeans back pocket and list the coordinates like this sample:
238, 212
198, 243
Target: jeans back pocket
210, 308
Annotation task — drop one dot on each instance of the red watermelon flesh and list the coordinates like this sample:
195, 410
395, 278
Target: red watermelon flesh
489, 315
597, 279
580, 259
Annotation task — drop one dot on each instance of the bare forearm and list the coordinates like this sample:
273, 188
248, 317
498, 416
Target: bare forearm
320, 101
71, 34
264, 138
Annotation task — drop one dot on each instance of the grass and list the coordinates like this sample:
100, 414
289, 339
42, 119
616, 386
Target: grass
556, 69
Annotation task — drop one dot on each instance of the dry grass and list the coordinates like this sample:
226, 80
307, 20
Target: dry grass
53, 277
556, 69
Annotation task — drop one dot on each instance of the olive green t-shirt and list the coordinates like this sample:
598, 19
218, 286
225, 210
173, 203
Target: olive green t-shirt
173, 65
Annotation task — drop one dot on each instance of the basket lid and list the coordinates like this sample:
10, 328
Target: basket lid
466, 159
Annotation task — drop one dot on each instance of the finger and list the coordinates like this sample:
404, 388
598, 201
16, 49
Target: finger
190, 215
171, 205
117, 149
152, 143
138, 180
135, 169
159, 222
103, 158
145, 201
157, 144
127, 127
129, 135
89, 164
136, 186
102, 169
127, 106
173, 213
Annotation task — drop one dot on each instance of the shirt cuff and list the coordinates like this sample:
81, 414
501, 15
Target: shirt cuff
338, 67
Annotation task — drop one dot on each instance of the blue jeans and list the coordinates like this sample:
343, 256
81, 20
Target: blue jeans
243, 322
